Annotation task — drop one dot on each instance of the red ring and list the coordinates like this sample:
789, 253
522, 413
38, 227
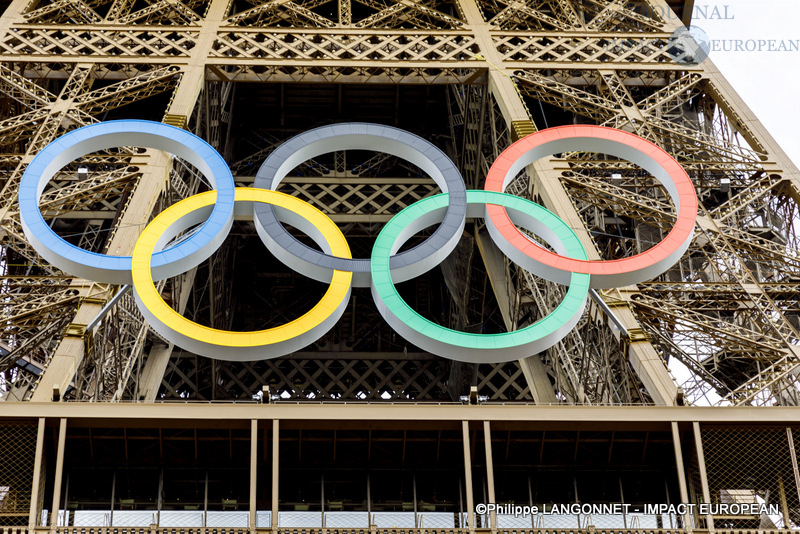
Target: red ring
678, 238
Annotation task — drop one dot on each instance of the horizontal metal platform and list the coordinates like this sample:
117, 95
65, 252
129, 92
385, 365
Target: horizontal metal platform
370, 411
179, 530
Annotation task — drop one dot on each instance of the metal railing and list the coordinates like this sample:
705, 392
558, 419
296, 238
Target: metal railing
376, 530
165, 519
311, 520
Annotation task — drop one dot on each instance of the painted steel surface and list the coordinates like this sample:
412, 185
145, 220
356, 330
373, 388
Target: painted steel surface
361, 136
462, 346
240, 346
588, 138
155, 258
103, 135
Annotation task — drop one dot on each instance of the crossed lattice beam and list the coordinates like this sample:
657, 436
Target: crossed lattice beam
588, 48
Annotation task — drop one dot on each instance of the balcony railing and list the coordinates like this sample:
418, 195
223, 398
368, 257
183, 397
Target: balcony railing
331, 520
376, 530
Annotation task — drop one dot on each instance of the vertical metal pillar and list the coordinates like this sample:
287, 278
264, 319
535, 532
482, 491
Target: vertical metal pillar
468, 475
414, 498
37, 474
487, 440
701, 465
62, 438
530, 501
784, 502
795, 469
275, 472
160, 497
113, 496
66, 500
676, 442
369, 502
253, 471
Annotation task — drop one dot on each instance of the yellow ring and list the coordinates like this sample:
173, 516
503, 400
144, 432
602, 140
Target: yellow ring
224, 344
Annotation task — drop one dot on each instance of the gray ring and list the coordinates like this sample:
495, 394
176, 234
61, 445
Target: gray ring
361, 136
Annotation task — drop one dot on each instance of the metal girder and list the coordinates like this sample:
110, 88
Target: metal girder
21, 126
163, 12
672, 95
563, 95
375, 48
102, 192
76, 11
645, 50
616, 111
374, 198
403, 12
364, 376
616, 15
698, 166
579, 375
516, 12
128, 91
304, 378
38, 43
33, 353
25, 91
596, 58
273, 12
320, 47
566, 11
342, 72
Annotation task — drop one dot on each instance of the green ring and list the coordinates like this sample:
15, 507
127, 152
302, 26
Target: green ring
462, 346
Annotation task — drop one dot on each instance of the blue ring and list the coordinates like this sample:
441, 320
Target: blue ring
117, 269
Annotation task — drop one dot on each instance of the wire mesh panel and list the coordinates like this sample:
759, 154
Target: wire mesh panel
346, 519
228, 519
300, 519
643, 521
437, 520
794, 450
40, 510
87, 518
17, 453
749, 465
263, 519
568, 521
179, 518
393, 519
134, 518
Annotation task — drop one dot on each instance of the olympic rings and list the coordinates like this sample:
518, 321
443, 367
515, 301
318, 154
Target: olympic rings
117, 269
588, 138
352, 136
240, 346
477, 348
215, 210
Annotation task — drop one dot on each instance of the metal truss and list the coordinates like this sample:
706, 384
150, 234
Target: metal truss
337, 376
728, 311
734, 248
589, 365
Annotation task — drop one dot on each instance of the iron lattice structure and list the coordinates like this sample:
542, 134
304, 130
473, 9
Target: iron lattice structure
472, 76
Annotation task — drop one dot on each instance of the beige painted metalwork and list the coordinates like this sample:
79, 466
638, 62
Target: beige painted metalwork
728, 311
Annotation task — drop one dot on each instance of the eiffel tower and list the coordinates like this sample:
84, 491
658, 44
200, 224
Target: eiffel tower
107, 424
